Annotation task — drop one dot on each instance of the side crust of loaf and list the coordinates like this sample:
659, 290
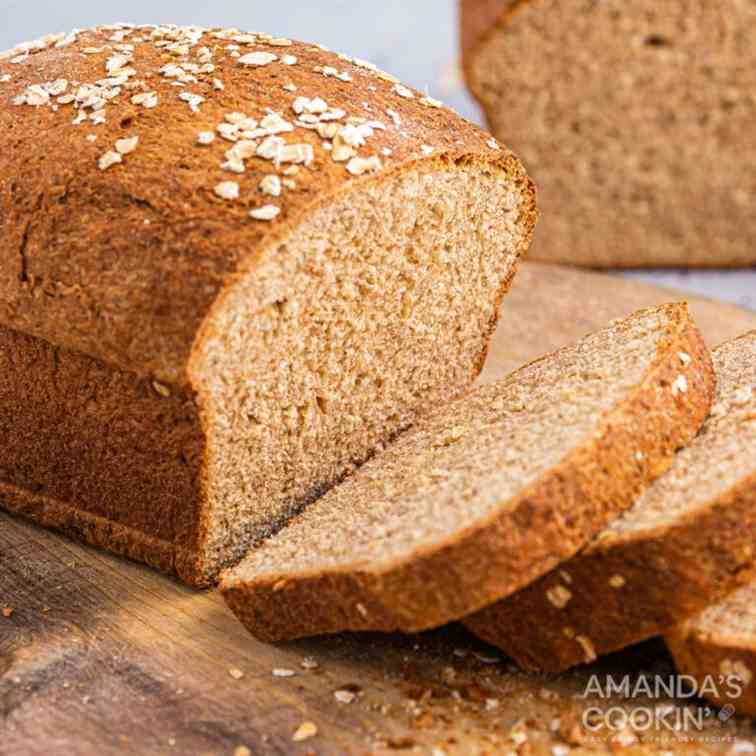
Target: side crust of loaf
674, 572
710, 655
592, 485
99, 453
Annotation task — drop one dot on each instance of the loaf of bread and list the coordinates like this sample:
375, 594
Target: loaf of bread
231, 267
634, 118
686, 543
719, 645
485, 495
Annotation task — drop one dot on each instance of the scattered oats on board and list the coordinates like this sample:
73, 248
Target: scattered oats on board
344, 696
265, 213
205, 137
626, 738
283, 672
742, 746
228, 190
236, 673
309, 663
305, 731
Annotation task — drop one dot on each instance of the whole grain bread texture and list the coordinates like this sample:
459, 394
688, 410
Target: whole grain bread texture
231, 267
634, 119
484, 495
718, 649
688, 541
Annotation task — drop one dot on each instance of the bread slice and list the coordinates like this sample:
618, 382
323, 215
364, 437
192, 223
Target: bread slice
638, 113
685, 543
719, 645
487, 493
231, 267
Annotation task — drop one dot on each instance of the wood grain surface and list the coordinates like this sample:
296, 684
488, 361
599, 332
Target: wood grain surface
550, 306
102, 656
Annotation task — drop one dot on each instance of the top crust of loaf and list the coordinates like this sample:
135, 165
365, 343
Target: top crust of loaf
117, 247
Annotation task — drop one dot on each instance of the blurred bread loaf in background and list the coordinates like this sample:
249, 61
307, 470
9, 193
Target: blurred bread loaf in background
635, 120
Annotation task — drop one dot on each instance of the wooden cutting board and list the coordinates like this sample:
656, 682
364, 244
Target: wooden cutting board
103, 656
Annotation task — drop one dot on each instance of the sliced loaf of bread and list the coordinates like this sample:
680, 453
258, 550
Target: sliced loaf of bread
638, 113
231, 266
686, 543
487, 493
720, 644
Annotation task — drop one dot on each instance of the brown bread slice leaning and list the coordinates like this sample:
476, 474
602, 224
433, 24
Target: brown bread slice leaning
721, 642
638, 113
487, 493
231, 267
685, 543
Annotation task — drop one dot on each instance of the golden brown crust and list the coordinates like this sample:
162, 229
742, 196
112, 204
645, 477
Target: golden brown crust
124, 263
673, 573
549, 522
119, 266
100, 453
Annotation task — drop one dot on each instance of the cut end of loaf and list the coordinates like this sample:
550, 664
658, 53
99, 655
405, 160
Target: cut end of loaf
375, 308
483, 495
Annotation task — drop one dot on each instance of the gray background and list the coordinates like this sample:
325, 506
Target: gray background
413, 39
